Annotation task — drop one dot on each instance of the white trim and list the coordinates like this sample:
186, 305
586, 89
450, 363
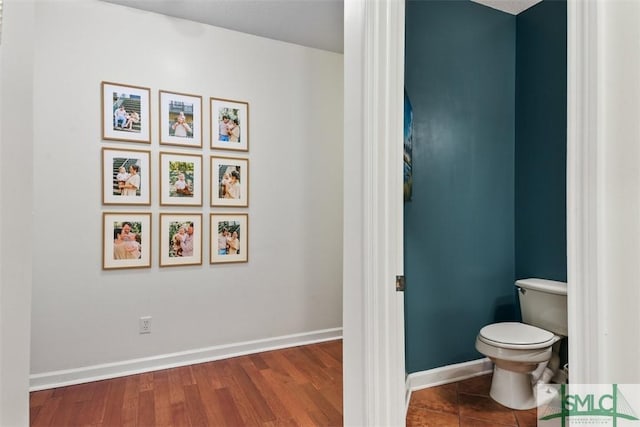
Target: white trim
86, 374
446, 375
382, 154
354, 382
449, 374
583, 192
374, 376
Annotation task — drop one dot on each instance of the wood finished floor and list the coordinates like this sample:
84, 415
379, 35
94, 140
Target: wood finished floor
299, 386
464, 404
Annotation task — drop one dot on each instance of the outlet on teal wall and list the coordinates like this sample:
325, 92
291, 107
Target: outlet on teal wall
470, 229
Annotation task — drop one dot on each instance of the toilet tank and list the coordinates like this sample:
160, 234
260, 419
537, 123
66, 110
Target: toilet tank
543, 303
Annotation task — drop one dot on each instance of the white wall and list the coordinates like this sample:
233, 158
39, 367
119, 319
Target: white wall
620, 180
603, 189
83, 316
16, 166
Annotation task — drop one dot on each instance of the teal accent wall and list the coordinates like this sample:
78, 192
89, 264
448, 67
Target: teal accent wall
541, 141
488, 91
459, 227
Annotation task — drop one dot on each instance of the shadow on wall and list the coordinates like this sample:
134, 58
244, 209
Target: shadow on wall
505, 310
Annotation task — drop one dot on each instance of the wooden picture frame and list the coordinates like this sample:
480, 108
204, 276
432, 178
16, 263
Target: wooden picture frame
125, 113
229, 238
229, 181
126, 240
229, 124
180, 119
180, 179
126, 177
180, 239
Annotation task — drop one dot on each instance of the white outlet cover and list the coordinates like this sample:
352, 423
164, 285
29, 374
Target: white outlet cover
144, 325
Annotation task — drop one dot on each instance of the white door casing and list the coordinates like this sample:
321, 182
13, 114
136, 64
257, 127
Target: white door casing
373, 320
603, 191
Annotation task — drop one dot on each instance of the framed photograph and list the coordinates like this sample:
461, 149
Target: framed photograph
229, 124
125, 113
180, 179
126, 240
229, 238
126, 177
180, 239
229, 181
180, 119
408, 144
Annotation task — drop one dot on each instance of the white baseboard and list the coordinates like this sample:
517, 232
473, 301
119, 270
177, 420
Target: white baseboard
86, 374
447, 374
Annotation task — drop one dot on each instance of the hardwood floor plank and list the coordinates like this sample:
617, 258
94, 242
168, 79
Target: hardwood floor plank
308, 366
146, 409
313, 354
38, 398
187, 375
284, 365
47, 412
251, 392
207, 389
333, 394
319, 400
247, 410
161, 400
34, 411
258, 361
228, 408
290, 422
63, 413
114, 402
277, 407
146, 382
195, 409
244, 407
334, 348
176, 392
214, 374
179, 414
301, 386
272, 361
303, 400
80, 392
326, 357
91, 412
130, 401
289, 399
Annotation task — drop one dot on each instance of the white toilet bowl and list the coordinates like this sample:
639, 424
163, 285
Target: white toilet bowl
516, 349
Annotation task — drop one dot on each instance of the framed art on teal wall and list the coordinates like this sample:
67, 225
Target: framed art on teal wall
408, 148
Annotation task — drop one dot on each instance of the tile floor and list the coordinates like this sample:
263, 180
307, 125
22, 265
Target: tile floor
464, 404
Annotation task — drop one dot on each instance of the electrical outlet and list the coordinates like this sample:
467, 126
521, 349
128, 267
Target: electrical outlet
144, 327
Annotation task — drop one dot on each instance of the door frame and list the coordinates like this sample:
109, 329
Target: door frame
582, 192
373, 30
373, 312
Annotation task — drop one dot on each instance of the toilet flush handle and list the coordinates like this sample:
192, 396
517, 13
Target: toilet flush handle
522, 290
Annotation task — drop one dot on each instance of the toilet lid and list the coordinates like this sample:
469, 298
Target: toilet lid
515, 333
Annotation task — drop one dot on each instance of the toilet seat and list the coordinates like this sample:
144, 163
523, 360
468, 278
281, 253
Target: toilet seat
514, 335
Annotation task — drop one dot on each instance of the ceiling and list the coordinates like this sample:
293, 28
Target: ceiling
312, 23
513, 7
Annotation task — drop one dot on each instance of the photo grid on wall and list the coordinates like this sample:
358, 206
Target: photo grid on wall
127, 179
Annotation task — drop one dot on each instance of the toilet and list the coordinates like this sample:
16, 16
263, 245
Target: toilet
526, 353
